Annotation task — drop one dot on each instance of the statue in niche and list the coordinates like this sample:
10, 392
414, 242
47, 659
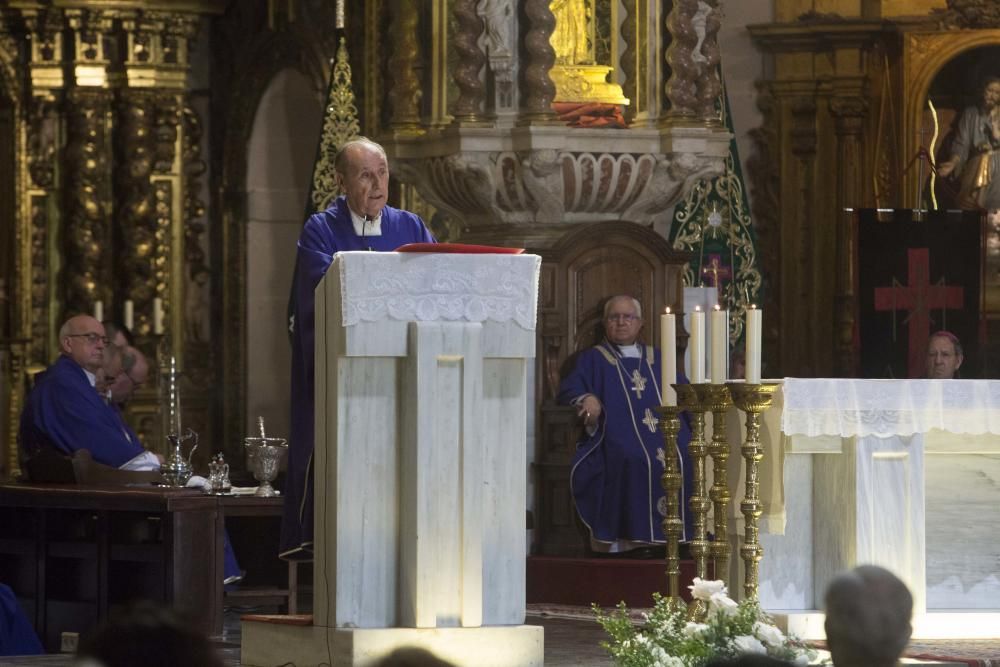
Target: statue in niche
975, 152
197, 309
569, 39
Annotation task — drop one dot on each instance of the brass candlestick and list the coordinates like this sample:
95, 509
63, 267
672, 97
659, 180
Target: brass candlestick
670, 423
716, 398
689, 399
752, 399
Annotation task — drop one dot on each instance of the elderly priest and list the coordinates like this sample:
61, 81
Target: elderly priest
616, 470
357, 220
66, 413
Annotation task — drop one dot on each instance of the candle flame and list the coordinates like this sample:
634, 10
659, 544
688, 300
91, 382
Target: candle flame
753, 306
697, 309
718, 307
666, 311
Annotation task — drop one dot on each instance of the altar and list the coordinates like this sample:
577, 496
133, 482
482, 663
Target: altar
902, 474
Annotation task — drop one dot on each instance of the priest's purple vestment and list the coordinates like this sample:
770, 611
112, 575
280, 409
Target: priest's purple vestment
324, 235
66, 413
615, 476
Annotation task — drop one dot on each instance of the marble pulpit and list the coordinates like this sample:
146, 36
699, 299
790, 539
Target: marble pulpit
903, 474
420, 463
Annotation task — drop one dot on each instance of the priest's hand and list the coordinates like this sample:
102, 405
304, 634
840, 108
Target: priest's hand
589, 409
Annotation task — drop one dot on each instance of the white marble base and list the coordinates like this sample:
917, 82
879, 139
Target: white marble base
930, 625
266, 644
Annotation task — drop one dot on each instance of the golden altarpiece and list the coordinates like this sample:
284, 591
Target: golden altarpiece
125, 124
856, 99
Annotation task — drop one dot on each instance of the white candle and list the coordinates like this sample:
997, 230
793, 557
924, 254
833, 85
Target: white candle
129, 314
720, 344
175, 399
668, 352
755, 317
157, 316
696, 344
99, 310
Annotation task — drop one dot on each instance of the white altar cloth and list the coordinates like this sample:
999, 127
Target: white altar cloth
904, 474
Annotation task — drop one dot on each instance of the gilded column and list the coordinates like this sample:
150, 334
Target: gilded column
849, 113
539, 91
135, 240
681, 89
87, 206
87, 227
468, 27
405, 92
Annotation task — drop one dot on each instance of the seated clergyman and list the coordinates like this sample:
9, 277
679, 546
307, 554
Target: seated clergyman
65, 412
615, 477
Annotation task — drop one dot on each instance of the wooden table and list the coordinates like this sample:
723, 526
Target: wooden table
71, 553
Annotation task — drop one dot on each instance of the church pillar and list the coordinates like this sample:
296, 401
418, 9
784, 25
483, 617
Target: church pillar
849, 114
468, 26
539, 91
404, 93
681, 88
87, 229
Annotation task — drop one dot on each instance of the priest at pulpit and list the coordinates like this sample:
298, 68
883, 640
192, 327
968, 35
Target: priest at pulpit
615, 476
358, 220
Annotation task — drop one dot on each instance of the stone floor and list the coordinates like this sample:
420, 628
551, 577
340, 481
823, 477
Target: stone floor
568, 643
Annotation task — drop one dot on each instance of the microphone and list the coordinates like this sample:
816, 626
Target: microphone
365, 219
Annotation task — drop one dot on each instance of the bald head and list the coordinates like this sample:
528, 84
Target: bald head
868, 613
81, 338
363, 176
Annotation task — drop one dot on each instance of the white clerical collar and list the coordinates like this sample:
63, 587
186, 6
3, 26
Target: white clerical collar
369, 228
91, 377
629, 351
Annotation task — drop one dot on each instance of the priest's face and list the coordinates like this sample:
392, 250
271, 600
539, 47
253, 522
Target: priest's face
943, 360
622, 323
365, 179
82, 339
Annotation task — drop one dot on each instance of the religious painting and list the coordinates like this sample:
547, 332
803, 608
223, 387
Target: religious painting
961, 130
918, 273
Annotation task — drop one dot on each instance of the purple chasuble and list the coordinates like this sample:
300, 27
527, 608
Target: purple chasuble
65, 412
615, 476
324, 235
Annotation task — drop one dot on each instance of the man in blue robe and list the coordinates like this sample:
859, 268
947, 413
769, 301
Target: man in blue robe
615, 477
65, 412
17, 637
357, 220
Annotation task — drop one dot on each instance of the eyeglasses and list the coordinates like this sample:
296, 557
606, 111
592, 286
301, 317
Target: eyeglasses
92, 338
623, 317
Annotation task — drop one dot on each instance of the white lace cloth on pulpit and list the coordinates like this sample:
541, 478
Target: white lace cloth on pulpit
886, 408
431, 286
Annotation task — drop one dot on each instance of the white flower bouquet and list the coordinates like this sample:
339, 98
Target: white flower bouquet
667, 639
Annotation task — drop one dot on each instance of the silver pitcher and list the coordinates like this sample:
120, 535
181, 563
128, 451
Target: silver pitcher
265, 459
177, 470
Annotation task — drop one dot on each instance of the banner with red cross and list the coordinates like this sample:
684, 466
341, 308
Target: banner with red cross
916, 277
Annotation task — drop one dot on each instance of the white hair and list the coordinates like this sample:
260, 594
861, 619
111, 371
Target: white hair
622, 297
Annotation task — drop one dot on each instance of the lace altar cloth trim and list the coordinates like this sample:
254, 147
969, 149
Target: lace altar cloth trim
430, 287
886, 408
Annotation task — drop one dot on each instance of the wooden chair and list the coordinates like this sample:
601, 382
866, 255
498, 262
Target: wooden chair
579, 272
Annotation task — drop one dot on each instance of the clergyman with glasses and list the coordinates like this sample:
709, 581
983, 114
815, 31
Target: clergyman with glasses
65, 412
615, 476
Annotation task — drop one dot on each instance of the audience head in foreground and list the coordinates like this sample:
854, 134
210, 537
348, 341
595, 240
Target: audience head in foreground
944, 356
868, 613
749, 660
148, 635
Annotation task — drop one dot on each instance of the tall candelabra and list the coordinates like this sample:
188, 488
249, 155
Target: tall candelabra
673, 527
690, 398
753, 399
716, 398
